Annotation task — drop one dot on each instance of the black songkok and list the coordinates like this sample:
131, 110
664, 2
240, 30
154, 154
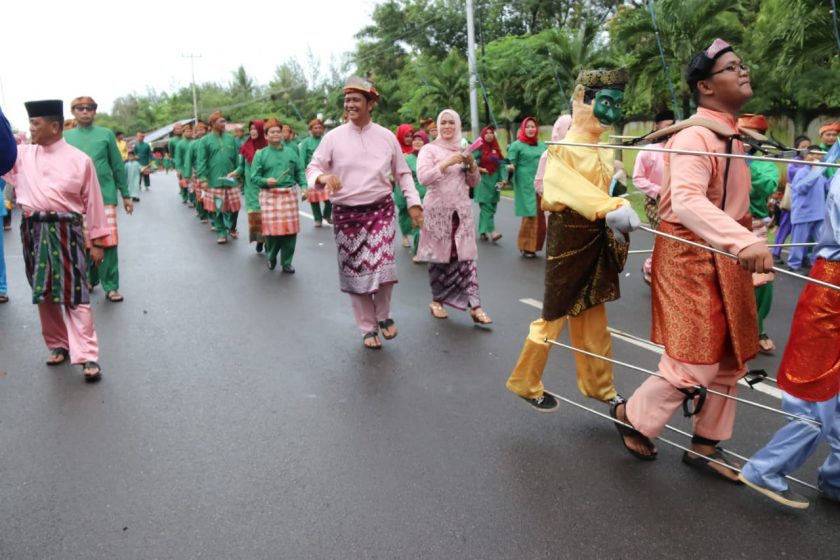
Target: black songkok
700, 66
666, 115
45, 108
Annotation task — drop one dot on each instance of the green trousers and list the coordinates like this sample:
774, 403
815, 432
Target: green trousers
404, 220
486, 219
107, 272
199, 208
316, 211
764, 301
185, 194
225, 222
283, 245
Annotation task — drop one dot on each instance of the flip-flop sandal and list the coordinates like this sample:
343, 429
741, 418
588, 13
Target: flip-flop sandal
114, 297
92, 377
369, 336
703, 465
63, 352
480, 317
766, 345
624, 431
438, 312
4, 298
386, 325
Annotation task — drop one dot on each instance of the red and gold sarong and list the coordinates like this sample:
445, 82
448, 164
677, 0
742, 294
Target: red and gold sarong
810, 368
703, 303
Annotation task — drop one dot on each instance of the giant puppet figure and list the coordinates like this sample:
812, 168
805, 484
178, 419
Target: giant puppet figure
586, 246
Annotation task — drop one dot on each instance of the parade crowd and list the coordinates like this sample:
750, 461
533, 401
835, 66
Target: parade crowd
368, 183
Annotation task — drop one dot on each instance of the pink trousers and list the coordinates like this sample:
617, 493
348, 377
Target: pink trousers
72, 328
370, 309
656, 400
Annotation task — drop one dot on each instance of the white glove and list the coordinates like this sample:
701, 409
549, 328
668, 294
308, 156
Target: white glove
623, 220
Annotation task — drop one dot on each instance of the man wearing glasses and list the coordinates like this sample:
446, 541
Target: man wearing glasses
702, 311
100, 145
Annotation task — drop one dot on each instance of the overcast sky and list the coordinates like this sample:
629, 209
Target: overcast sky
106, 49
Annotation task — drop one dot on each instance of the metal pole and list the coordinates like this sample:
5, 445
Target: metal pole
692, 153
473, 69
731, 256
192, 58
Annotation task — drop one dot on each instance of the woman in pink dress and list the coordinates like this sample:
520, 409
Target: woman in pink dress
447, 239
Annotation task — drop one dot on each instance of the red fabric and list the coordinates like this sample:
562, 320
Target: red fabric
522, 137
810, 368
402, 131
753, 122
279, 209
250, 147
490, 153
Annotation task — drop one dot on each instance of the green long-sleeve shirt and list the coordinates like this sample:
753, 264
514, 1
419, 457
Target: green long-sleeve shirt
764, 179
307, 149
143, 152
216, 157
251, 190
282, 163
486, 191
100, 145
526, 159
172, 148
186, 148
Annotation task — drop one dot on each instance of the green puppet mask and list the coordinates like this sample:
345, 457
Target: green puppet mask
607, 106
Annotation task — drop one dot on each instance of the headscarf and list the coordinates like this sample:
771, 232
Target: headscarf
402, 131
561, 127
250, 147
422, 135
522, 137
490, 153
454, 144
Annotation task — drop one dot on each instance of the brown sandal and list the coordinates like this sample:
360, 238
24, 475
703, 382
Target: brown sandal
438, 312
479, 317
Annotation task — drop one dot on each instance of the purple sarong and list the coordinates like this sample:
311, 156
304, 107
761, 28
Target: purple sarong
54, 254
455, 284
364, 236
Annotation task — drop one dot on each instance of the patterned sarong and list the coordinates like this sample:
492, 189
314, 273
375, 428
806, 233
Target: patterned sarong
280, 211
317, 195
583, 260
113, 238
703, 303
810, 368
222, 199
652, 211
54, 255
255, 227
365, 239
455, 284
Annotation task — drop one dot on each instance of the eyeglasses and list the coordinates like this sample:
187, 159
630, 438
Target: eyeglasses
90, 108
734, 67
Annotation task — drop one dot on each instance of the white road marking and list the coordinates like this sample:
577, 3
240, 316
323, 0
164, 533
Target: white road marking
765, 387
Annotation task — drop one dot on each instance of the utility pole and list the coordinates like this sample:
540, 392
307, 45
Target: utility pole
473, 70
192, 58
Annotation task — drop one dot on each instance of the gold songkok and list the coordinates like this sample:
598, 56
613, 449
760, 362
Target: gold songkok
600, 79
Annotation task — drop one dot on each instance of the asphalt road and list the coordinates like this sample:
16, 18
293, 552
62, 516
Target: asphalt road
240, 417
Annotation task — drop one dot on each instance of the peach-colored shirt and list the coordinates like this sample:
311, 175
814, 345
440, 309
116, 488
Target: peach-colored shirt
59, 178
365, 159
692, 186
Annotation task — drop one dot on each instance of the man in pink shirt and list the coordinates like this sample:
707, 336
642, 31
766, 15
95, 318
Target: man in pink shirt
55, 185
703, 311
357, 163
647, 177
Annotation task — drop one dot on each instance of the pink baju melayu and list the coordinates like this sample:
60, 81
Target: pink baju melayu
647, 177
365, 160
61, 179
702, 310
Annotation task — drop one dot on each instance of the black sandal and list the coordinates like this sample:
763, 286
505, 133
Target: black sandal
92, 377
701, 463
385, 325
63, 352
372, 335
625, 431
